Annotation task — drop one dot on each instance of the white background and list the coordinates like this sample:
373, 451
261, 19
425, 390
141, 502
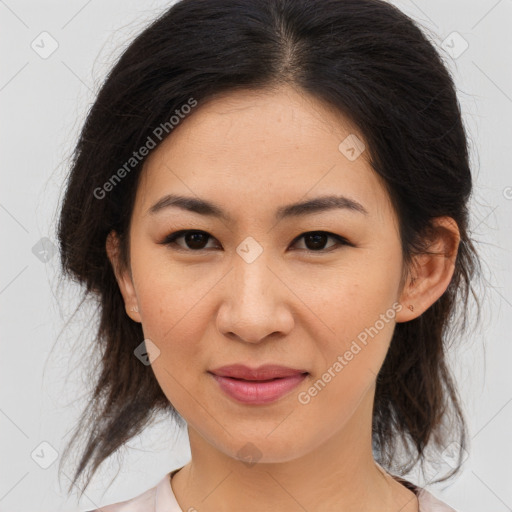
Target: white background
43, 382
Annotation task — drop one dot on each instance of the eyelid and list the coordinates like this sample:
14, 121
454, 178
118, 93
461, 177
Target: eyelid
170, 240
341, 241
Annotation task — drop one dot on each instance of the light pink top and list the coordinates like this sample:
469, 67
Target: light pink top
161, 498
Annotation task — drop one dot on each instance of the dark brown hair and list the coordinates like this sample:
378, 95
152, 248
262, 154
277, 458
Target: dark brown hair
371, 63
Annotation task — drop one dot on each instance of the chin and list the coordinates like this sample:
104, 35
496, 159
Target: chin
265, 449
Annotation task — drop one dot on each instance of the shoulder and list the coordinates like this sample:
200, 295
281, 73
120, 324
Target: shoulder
429, 503
426, 500
159, 498
144, 502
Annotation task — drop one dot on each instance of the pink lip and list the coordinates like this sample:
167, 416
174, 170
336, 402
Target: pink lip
259, 385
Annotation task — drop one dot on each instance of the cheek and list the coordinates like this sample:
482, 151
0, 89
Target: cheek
348, 300
358, 305
350, 365
173, 321
168, 298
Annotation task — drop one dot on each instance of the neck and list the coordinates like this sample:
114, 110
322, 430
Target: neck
339, 474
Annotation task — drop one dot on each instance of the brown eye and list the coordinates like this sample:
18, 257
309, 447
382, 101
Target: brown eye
315, 240
194, 240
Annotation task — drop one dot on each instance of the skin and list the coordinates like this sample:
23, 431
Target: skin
252, 152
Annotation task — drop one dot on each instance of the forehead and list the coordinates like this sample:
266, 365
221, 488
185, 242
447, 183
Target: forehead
260, 148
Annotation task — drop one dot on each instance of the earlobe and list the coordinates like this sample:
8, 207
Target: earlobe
433, 270
123, 278
409, 309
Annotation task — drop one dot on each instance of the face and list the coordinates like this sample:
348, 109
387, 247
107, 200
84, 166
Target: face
314, 289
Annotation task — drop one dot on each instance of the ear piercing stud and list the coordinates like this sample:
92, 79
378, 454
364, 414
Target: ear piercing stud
135, 308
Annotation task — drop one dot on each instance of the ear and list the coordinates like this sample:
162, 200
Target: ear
123, 277
432, 272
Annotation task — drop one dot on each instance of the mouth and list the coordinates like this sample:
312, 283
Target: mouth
261, 385
256, 380
262, 373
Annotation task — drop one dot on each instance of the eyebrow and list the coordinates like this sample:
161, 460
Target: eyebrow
203, 207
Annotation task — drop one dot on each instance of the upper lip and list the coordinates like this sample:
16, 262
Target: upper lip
264, 372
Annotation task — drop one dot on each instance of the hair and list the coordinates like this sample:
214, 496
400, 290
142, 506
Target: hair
368, 61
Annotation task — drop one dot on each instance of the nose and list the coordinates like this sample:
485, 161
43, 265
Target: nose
255, 303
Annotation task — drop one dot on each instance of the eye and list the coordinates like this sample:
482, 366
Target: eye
316, 240
195, 240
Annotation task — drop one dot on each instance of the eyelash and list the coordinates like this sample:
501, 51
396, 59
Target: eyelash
170, 240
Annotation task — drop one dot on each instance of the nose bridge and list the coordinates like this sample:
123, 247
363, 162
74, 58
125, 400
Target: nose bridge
252, 304
252, 285
251, 275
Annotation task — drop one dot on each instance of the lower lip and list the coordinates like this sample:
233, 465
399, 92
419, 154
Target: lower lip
258, 392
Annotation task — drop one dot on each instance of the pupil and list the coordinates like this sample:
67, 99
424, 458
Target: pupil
313, 241
319, 240
195, 239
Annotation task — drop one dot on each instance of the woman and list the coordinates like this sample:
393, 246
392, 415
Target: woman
269, 201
